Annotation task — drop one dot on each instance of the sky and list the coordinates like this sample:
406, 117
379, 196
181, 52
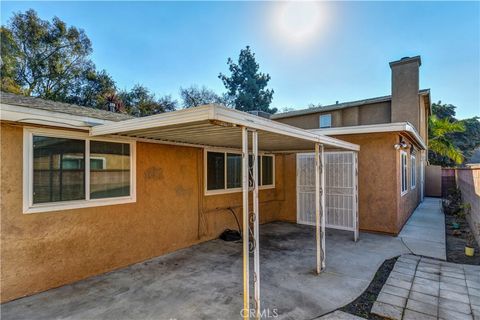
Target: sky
315, 53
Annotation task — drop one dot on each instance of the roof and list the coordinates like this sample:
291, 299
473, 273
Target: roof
72, 109
338, 106
218, 126
406, 127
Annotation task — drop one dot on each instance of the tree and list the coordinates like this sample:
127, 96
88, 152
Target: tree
246, 85
140, 102
439, 141
194, 97
465, 141
93, 89
45, 58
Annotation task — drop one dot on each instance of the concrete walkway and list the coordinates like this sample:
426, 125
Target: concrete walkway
424, 232
422, 288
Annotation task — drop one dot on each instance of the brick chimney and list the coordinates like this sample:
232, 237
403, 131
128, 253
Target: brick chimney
405, 87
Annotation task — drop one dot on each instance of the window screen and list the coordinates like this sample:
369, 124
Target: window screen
58, 169
234, 170
215, 170
267, 170
109, 169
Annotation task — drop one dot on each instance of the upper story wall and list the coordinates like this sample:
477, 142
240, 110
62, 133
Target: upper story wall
374, 113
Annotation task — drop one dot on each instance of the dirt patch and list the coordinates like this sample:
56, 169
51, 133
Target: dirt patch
456, 241
363, 304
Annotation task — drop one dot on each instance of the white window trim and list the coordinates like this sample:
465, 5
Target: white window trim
232, 190
29, 207
413, 172
402, 171
320, 120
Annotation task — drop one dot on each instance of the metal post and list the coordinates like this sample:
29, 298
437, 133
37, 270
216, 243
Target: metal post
256, 234
355, 196
317, 208
245, 235
324, 207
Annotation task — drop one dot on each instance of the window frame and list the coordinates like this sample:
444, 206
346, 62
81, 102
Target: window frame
403, 171
226, 190
28, 205
413, 172
320, 120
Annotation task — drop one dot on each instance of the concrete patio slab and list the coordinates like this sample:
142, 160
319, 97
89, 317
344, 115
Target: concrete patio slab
424, 232
205, 281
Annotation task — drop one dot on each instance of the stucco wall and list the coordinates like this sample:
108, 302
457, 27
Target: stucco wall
468, 180
409, 201
44, 250
368, 114
377, 174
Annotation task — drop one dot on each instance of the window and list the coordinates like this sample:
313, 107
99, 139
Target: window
413, 172
109, 178
403, 165
326, 120
65, 170
224, 172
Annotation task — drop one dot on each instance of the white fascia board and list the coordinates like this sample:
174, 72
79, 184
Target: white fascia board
159, 120
45, 117
218, 113
374, 128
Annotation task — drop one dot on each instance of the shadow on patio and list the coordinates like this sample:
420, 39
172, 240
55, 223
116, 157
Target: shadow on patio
205, 280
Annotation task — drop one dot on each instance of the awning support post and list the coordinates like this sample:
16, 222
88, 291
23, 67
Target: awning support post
355, 196
323, 209
320, 206
256, 234
246, 226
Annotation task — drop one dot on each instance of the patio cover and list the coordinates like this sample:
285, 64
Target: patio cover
217, 126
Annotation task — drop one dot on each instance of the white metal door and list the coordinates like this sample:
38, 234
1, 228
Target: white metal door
341, 190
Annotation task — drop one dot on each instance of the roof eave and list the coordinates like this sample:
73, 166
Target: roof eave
376, 128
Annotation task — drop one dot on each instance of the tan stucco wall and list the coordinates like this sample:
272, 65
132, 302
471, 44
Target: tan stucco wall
378, 175
375, 113
44, 250
377, 178
405, 98
409, 201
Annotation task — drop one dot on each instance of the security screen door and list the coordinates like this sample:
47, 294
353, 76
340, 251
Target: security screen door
341, 189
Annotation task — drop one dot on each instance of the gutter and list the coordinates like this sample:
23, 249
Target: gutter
375, 128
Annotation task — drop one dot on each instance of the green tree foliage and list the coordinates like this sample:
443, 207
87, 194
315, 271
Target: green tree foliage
45, 58
246, 86
51, 60
194, 96
451, 141
141, 102
440, 142
93, 89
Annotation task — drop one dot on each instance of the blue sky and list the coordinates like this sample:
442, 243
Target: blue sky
339, 52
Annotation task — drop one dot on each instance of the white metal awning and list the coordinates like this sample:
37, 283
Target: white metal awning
218, 126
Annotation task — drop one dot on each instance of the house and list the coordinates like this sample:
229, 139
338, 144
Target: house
392, 134
86, 191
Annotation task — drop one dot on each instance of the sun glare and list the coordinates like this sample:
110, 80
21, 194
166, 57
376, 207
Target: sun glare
298, 21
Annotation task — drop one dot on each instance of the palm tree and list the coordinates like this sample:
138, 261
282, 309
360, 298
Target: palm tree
439, 140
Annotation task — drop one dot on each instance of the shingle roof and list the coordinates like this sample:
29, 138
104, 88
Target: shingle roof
72, 109
338, 106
